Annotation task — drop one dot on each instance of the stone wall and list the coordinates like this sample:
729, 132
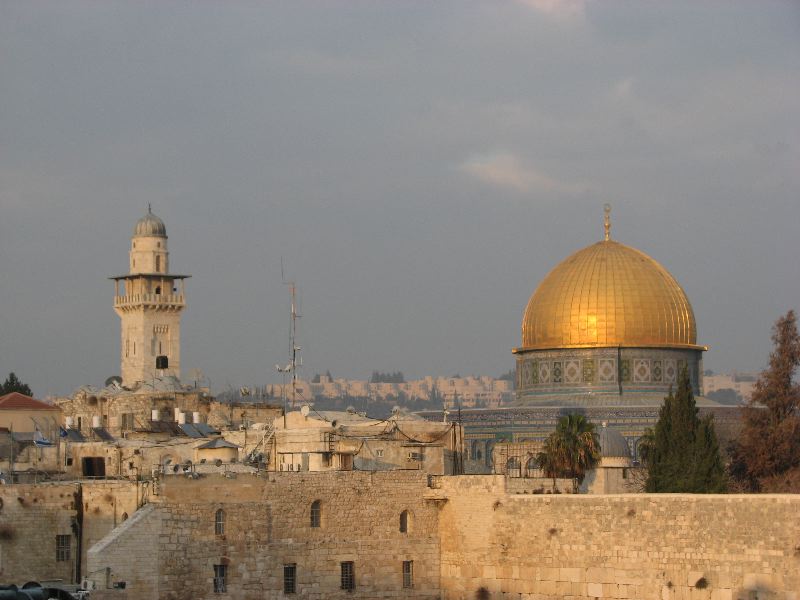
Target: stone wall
107, 504
717, 547
31, 516
267, 524
468, 537
133, 550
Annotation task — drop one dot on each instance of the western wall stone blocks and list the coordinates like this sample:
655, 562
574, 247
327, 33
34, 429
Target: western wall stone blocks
594, 590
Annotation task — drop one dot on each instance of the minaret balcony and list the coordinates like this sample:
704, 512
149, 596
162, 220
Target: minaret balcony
165, 301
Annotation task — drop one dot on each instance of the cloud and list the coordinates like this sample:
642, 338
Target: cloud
558, 8
507, 171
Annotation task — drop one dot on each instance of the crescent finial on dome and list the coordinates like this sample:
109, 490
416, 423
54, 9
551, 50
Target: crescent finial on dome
607, 220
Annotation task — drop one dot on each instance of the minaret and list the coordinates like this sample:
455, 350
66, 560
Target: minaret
149, 305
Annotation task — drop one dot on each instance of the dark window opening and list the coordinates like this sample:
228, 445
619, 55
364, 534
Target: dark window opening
348, 575
220, 579
404, 522
408, 574
158, 290
316, 513
219, 522
63, 543
127, 422
93, 466
290, 579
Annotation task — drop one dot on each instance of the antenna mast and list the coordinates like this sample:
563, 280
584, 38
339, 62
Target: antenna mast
294, 360
295, 347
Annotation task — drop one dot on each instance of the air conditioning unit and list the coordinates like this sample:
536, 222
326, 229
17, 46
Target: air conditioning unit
88, 584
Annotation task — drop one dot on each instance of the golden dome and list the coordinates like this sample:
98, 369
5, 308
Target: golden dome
608, 294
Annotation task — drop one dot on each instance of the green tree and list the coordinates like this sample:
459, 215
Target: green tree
13, 384
684, 453
571, 450
767, 449
646, 444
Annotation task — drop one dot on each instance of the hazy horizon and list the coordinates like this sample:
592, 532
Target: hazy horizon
419, 166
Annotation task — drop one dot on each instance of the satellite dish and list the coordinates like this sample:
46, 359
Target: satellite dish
305, 410
114, 379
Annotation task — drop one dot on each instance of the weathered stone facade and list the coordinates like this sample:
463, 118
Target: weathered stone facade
659, 546
32, 516
267, 524
468, 537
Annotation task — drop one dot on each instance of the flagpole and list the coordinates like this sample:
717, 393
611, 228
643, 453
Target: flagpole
12, 453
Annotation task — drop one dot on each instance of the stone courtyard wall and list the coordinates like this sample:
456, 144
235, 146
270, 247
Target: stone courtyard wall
666, 546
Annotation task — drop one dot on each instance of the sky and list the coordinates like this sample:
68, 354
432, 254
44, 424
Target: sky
420, 167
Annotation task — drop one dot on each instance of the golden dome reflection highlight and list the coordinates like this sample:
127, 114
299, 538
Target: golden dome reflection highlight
608, 294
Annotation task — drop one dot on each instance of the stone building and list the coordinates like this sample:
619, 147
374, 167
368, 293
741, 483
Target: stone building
29, 433
311, 440
149, 301
742, 384
403, 534
23, 413
615, 472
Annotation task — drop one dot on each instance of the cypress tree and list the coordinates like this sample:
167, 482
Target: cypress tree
684, 456
13, 384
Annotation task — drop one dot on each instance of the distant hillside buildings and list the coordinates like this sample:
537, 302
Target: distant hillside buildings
469, 392
741, 383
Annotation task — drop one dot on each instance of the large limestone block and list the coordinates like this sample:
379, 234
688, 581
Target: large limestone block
594, 590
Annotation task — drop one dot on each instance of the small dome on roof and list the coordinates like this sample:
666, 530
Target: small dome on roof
612, 443
150, 225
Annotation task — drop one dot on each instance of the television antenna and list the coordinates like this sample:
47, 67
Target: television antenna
295, 360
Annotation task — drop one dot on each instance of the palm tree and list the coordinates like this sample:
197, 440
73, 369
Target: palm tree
647, 444
571, 449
